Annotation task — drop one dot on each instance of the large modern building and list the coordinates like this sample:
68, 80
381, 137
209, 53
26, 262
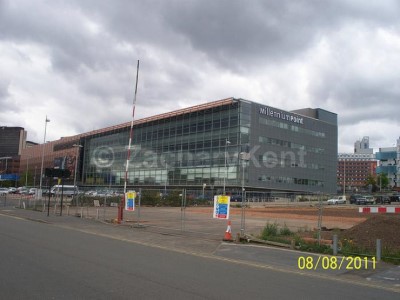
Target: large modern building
355, 168
12, 142
362, 146
227, 143
389, 164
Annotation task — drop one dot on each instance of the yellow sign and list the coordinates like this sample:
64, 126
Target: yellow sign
131, 195
223, 199
130, 200
221, 207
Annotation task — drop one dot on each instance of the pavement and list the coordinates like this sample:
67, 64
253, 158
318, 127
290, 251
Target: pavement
182, 238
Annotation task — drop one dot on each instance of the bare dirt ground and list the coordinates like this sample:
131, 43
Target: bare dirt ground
340, 217
362, 229
378, 226
298, 217
346, 221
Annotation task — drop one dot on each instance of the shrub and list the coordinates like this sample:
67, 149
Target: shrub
286, 231
174, 199
270, 230
150, 198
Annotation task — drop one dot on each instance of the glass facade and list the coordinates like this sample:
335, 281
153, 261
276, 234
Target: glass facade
188, 149
230, 142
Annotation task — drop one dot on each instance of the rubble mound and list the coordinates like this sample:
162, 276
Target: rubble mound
383, 227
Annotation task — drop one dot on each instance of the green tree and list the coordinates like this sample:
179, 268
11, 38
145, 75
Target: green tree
371, 180
382, 181
150, 197
173, 198
26, 178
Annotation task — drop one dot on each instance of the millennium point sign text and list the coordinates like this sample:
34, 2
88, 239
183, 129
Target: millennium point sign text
279, 114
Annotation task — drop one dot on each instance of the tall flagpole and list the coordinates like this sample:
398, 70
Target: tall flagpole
41, 168
131, 131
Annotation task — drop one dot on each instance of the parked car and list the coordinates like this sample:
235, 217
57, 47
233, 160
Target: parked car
66, 190
361, 200
45, 191
236, 198
12, 190
370, 199
337, 200
90, 193
382, 200
22, 190
395, 198
353, 198
3, 191
32, 191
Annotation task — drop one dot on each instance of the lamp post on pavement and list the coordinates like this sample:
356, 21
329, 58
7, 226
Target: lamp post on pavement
41, 169
244, 157
226, 169
344, 176
27, 170
166, 179
76, 169
34, 177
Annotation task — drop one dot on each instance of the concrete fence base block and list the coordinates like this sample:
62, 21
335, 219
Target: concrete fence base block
378, 250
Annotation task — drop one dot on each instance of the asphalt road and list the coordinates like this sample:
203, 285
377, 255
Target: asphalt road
45, 261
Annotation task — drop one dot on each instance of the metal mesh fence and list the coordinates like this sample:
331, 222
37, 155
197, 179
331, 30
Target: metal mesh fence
189, 210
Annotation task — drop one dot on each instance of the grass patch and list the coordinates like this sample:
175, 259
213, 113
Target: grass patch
273, 232
285, 231
269, 231
349, 248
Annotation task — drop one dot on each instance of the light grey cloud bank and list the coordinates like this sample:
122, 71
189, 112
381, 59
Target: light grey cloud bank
75, 61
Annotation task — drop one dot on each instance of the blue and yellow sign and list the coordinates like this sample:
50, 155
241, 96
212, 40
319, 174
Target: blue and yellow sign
130, 200
221, 207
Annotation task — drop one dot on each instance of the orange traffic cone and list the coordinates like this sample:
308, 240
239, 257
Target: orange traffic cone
228, 233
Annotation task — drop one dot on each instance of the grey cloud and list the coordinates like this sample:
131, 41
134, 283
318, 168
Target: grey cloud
184, 45
238, 34
7, 103
357, 97
233, 34
3, 89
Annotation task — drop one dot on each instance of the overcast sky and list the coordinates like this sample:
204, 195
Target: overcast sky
75, 61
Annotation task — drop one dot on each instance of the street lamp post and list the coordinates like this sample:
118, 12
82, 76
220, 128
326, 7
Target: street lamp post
226, 169
27, 170
6, 164
344, 176
76, 169
166, 179
34, 177
244, 156
41, 169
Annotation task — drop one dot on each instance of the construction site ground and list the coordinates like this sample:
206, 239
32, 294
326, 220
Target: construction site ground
301, 218
346, 221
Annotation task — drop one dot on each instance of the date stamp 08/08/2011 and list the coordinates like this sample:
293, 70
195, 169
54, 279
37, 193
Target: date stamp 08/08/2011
336, 263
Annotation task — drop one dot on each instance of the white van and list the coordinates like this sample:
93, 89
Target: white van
67, 190
337, 200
